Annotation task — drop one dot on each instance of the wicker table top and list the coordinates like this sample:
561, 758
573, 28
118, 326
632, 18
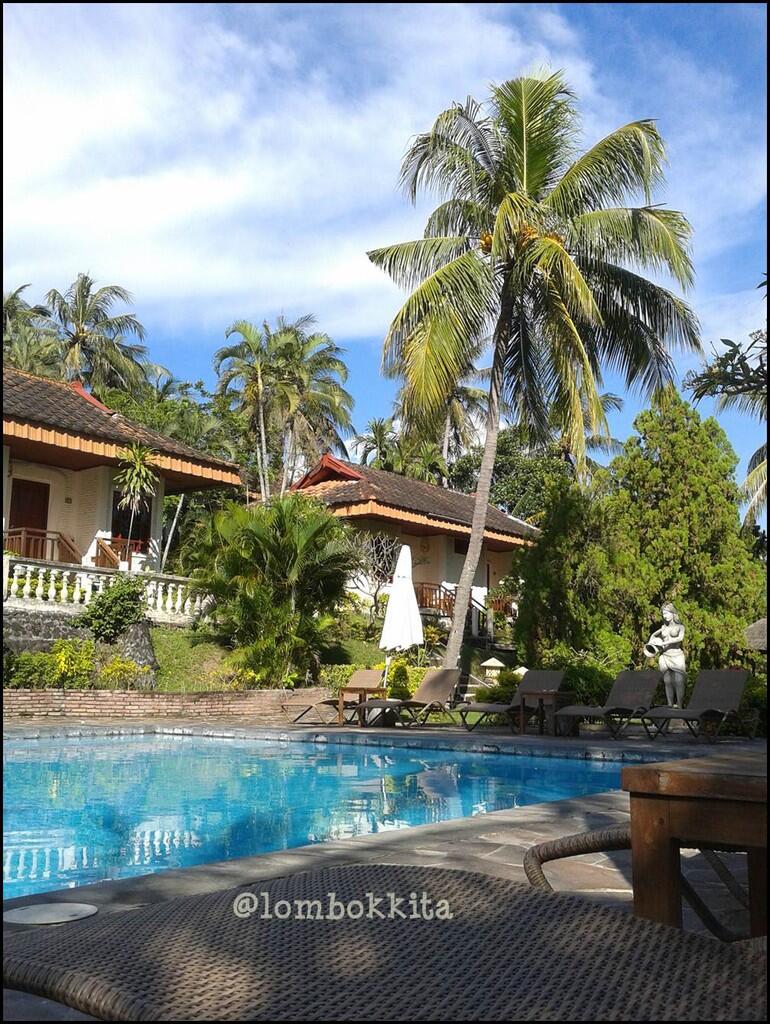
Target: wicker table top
508, 953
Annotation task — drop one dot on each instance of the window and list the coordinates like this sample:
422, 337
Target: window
461, 545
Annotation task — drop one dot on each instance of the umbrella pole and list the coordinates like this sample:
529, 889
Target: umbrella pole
387, 666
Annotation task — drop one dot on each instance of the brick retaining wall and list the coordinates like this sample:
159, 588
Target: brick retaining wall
261, 706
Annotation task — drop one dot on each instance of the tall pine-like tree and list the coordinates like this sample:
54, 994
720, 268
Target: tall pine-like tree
665, 526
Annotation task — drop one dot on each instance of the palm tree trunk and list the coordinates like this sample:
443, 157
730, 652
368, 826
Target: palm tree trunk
263, 446
287, 444
445, 446
128, 539
476, 541
171, 532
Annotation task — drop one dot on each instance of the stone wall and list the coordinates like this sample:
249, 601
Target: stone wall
30, 628
262, 707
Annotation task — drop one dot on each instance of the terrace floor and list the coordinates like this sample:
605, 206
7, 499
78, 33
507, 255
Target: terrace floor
492, 844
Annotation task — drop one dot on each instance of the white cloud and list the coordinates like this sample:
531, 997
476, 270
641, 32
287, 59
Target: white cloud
222, 162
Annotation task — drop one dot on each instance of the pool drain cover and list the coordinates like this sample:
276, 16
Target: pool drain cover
49, 913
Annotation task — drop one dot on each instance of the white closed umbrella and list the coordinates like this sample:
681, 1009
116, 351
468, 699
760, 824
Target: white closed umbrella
402, 628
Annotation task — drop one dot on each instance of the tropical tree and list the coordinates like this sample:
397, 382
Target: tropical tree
287, 385
137, 481
737, 378
522, 478
27, 348
459, 416
19, 315
274, 573
315, 405
534, 246
93, 338
377, 440
664, 526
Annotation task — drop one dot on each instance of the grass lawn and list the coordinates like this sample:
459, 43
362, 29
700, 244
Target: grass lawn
185, 666
352, 652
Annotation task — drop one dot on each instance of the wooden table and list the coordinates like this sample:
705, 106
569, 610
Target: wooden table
543, 697
701, 800
363, 693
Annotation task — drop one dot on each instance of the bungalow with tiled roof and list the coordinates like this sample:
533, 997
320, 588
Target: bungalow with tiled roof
61, 450
434, 521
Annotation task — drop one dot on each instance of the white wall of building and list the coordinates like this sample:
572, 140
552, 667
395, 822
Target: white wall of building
79, 503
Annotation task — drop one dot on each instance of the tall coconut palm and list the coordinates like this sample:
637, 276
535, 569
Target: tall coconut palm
27, 348
737, 378
534, 245
93, 339
377, 440
19, 315
461, 413
315, 407
246, 371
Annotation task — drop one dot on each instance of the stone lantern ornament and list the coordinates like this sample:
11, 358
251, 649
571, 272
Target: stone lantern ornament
492, 668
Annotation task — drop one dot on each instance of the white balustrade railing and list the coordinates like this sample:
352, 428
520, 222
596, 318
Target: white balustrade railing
36, 582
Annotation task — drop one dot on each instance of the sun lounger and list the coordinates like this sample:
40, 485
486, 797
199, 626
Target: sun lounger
368, 678
534, 682
205, 957
435, 693
715, 700
631, 694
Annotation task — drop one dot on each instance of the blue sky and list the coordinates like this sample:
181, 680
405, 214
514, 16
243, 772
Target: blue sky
237, 160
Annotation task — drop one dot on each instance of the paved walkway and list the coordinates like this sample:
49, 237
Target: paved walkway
493, 843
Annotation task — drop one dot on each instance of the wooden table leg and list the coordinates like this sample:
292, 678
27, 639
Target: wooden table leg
341, 709
757, 865
522, 716
655, 862
361, 712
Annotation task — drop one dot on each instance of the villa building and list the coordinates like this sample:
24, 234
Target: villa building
434, 521
61, 451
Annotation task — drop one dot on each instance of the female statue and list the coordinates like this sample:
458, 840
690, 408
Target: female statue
666, 642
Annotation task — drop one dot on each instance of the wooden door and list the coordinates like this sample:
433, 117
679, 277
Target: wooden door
29, 504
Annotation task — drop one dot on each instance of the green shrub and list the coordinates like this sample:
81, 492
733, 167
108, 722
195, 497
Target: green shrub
503, 690
112, 611
337, 676
32, 671
404, 679
9, 661
590, 674
398, 680
73, 664
121, 673
755, 702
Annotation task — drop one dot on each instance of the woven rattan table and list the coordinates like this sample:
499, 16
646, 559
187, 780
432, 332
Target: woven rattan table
508, 953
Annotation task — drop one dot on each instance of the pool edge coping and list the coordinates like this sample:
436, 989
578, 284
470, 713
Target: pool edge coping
530, 746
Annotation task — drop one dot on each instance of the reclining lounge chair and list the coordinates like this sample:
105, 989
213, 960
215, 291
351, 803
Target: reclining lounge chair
715, 700
434, 693
534, 683
631, 694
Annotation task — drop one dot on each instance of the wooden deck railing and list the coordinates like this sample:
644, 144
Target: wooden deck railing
435, 597
106, 557
47, 545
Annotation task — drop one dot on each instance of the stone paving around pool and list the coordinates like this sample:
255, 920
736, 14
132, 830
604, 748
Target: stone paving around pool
493, 843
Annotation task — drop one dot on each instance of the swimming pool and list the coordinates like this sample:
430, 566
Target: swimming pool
87, 809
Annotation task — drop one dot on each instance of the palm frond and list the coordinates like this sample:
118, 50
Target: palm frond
648, 238
625, 163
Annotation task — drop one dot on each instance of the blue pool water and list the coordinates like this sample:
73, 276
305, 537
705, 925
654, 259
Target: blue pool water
82, 810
